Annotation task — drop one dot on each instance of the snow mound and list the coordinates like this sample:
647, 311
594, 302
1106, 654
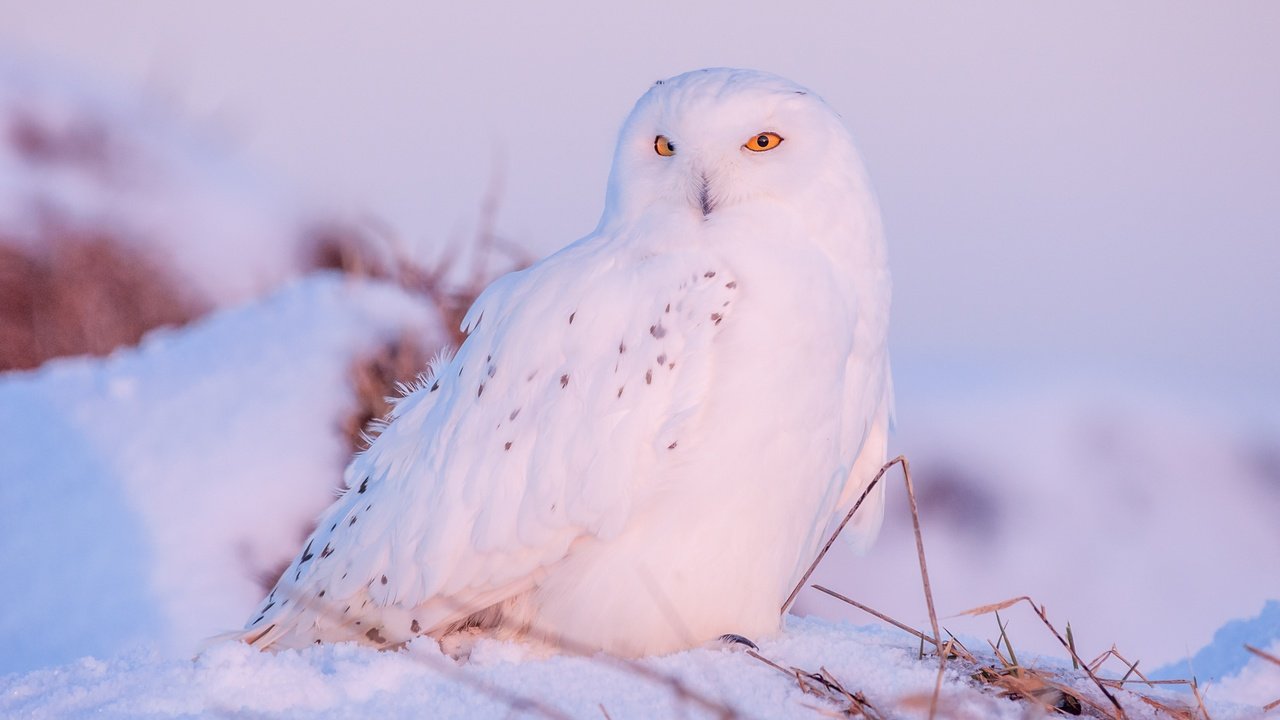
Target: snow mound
155, 486
1231, 671
83, 157
506, 679
352, 681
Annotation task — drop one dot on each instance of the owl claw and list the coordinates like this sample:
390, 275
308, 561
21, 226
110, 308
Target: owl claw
732, 639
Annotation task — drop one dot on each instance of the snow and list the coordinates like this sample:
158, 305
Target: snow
1257, 683
351, 681
153, 486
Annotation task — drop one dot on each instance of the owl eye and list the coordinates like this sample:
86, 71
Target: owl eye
664, 146
764, 141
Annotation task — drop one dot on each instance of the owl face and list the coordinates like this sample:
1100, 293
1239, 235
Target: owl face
715, 142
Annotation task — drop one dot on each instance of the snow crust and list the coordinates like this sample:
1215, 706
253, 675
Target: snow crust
351, 681
153, 487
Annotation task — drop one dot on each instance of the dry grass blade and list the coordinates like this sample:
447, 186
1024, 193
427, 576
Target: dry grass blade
937, 683
1178, 713
1071, 640
1195, 690
994, 607
1263, 654
839, 529
1269, 658
1004, 638
915, 522
1044, 618
880, 615
823, 684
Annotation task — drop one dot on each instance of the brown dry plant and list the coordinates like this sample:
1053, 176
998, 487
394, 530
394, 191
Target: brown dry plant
81, 292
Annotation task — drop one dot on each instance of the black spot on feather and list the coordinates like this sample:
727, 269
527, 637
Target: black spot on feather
375, 636
415, 627
658, 331
564, 380
326, 552
709, 274
364, 485
384, 579
306, 554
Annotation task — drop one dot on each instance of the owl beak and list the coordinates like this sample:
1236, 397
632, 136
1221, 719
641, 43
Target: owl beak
704, 196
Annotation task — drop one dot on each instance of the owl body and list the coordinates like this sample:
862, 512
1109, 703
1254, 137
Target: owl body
645, 436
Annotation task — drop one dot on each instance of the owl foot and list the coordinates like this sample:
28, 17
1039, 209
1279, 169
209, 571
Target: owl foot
730, 639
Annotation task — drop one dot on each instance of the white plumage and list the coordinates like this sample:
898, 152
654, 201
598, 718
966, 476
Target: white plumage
645, 436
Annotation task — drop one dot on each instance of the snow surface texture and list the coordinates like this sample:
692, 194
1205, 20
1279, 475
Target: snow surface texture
152, 486
351, 681
99, 159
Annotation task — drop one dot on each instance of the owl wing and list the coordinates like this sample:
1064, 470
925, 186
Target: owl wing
575, 382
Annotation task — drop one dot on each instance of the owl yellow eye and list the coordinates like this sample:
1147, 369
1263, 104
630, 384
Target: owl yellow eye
764, 141
664, 146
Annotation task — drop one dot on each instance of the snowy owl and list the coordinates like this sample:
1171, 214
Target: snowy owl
645, 436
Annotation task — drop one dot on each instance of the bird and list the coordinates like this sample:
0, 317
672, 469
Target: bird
643, 437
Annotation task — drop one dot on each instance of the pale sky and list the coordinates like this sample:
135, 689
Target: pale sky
1077, 185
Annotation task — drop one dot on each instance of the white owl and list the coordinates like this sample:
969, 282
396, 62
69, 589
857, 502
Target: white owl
645, 436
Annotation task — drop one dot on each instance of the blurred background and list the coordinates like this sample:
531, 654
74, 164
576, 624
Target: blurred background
1083, 208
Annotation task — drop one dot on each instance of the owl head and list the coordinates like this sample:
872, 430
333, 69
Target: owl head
722, 141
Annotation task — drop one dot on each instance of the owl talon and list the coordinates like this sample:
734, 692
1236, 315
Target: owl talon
732, 639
